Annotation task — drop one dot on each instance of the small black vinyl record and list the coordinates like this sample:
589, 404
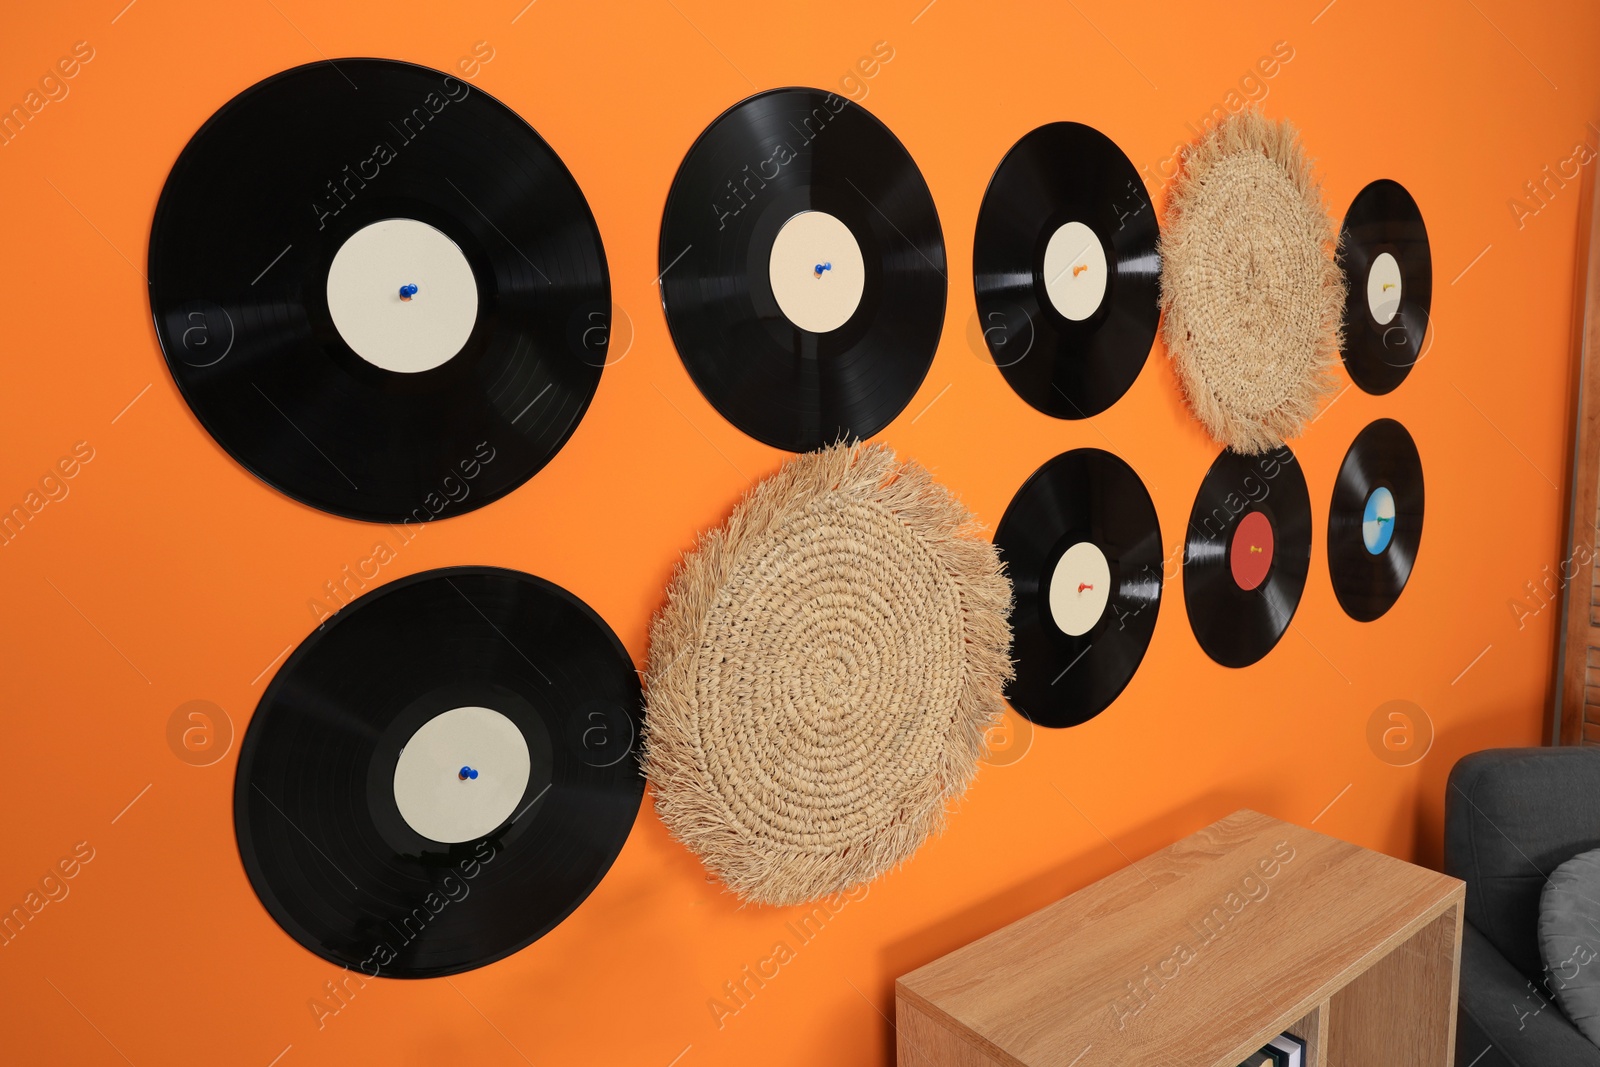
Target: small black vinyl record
1082, 546
379, 290
1066, 270
1383, 247
1375, 520
1247, 554
802, 269
440, 773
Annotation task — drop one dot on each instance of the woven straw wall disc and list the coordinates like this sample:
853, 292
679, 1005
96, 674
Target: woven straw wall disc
1252, 295
823, 674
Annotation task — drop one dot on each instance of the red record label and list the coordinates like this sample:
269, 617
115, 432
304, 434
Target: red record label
1251, 556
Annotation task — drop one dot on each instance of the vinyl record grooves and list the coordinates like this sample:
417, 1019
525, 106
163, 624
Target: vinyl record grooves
1247, 554
441, 773
1389, 275
1066, 270
1082, 545
1375, 520
379, 290
802, 269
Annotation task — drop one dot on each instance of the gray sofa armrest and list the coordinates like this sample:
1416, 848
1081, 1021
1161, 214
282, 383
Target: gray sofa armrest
1500, 1007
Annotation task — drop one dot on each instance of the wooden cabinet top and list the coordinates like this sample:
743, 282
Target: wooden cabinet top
1195, 955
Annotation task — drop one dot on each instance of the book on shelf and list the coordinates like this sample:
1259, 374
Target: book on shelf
1292, 1047
1285, 1050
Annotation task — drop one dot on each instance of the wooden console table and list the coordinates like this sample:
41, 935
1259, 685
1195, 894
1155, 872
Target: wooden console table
1200, 954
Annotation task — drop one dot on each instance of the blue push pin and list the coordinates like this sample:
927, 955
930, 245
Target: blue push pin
466, 773
408, 291
819, 268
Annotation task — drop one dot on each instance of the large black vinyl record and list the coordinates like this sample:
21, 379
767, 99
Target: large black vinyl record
1375, 520
441, 773
1066, 270
379, 289
802, 269
1247, 554
1082, 546
1389, 278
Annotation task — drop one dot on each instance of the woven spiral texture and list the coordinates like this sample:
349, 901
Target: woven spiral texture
822, 675
1252, 295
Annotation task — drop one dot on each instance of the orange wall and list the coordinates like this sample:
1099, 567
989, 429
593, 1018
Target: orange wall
169, 574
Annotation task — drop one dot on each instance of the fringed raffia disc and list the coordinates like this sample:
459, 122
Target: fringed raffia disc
1253, 297
822, 675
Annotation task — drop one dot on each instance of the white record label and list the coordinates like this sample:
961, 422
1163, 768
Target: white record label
1079, 589
817, 272
402, 295
1075, 271
1383, 289
461, 775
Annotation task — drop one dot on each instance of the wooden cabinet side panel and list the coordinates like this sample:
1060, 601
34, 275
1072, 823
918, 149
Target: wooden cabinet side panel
922, 1040
1402, 1009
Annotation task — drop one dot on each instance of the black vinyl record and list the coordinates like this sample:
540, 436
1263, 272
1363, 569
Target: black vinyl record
802, 269
1247, 554
379, 290
1066, 270
358, 833
1389, 285
1082, 546
1375, 520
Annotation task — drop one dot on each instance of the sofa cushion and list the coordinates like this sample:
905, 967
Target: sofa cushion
1569, 940
1512, 816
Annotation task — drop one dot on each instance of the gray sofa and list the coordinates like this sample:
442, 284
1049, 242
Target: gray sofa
1513, 815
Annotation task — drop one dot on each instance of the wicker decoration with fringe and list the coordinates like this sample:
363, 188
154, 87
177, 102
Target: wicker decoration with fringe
1252, 295
823, 674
